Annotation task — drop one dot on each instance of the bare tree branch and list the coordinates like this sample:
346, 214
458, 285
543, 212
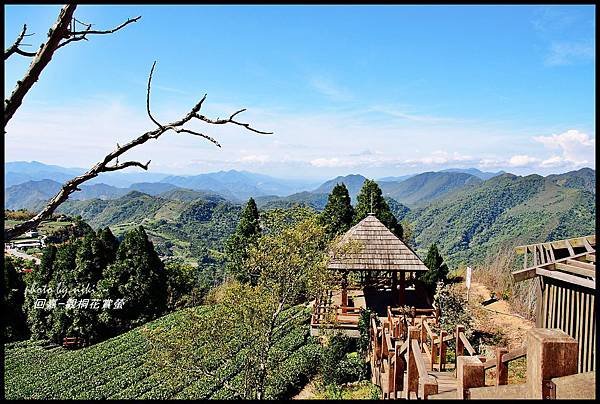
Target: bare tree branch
231, 120
121, 166
60, 31
81, 35
43, 56
15, 47
148, 97
104, 165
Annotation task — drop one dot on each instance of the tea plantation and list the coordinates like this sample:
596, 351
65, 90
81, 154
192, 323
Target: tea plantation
118, 368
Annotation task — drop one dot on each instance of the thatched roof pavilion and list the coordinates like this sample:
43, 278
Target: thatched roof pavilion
377, 252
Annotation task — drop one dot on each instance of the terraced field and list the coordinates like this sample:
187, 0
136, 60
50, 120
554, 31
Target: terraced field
118, 368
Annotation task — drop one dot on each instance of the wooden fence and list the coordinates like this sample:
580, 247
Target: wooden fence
565, 275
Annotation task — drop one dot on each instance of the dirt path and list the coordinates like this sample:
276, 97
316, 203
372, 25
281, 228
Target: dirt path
308, 392
499, 316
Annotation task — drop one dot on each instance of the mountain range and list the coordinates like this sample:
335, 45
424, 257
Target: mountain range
467, 216
29, 184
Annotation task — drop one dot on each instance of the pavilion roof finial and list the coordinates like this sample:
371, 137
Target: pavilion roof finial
371, 212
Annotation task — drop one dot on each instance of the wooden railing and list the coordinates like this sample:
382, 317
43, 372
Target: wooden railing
551, 370
502, 365
396, 348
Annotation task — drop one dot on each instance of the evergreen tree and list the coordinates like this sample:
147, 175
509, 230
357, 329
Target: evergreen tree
110, 244
438, 270
13, 297
246, 234
38, 320
138, 278
92, 257
61, 318
338, 213
370, 199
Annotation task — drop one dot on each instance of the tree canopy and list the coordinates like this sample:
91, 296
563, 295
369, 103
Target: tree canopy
338, 213
371, 200
438, 270
237, 245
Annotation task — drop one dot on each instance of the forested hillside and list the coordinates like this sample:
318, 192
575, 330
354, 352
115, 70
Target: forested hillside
506, 209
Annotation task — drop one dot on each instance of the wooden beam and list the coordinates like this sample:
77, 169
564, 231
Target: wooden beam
576, 280
587, 245
576, 270
524, 274
467, 344
512, 355
558, 244
581, 264
570, 247
530, 272
416, 351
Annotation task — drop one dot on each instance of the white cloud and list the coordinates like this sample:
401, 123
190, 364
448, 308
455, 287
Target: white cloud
329, 89
577, 147
439, 157
255, 158
521, 160
331, 162
554, 161
566, 53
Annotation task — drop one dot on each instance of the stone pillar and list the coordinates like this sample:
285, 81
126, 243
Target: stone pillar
469, 373
550, 353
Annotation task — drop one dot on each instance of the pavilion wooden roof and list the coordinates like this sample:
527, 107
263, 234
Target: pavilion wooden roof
378, 249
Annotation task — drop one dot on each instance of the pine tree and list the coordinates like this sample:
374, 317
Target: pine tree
138, 277
246, 234
370, 199
110, 244
438, 270
338, 213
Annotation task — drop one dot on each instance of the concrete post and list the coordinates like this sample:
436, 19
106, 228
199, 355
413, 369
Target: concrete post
469, 373
501, 368
550, 353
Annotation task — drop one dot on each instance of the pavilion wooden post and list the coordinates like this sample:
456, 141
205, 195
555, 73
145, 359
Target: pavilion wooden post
401, 290
344, 292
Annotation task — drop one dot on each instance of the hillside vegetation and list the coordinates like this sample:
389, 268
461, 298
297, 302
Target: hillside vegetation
505, 210
119, 368
426, 187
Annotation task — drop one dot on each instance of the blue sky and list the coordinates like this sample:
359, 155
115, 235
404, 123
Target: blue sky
382, 90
